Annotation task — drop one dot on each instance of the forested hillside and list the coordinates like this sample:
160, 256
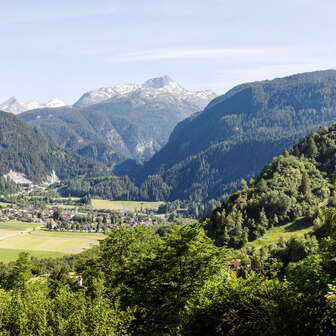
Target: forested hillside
116, 188
294, 186
238, 133
25, 150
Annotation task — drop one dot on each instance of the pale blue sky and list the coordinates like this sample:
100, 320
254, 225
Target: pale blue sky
65, 47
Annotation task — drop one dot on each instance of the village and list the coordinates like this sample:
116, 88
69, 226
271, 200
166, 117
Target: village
78, 219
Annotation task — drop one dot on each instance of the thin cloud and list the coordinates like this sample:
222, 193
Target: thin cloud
249, 54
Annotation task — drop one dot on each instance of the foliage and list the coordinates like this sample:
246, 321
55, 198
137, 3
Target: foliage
116, 188
295, 185
137, 283
162, 275
7, 187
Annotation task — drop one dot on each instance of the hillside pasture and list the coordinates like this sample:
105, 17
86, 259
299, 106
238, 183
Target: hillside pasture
285, 232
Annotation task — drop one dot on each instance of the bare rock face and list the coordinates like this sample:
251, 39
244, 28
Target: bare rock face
18, 178
52, 178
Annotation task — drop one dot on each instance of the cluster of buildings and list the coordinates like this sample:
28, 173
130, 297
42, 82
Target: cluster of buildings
73, 220
24, 214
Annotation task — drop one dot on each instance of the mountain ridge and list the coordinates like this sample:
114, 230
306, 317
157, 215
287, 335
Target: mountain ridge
153, 86
133, 121
13, 105
240, 131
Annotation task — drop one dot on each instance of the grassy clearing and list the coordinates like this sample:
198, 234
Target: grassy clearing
116, 205
7, 255
63, 206
44, 240
13, 227
16, 237
67, 198
290, 230
18, 226
3, 204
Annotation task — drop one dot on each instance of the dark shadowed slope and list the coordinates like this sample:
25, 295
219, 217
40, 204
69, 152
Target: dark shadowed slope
25, 150
238, 133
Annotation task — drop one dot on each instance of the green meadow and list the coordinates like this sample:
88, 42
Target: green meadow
16, 237
290, 230
7, 255
116, 205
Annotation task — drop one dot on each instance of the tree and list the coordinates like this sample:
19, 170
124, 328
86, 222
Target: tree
243, 184
262, 185
328, 245
306, 185
263, 220
312, 149
21, 272
159, 275
57, 214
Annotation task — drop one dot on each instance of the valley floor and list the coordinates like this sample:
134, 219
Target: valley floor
118, 205
16, 237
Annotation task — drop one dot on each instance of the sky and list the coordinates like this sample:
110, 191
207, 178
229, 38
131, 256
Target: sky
64, 48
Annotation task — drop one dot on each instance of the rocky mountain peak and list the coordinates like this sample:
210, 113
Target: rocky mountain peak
161, 83
153, 87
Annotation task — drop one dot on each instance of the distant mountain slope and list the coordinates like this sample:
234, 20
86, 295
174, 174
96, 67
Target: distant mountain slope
25, 150
294, 187
13, 105
238, 133
134, 121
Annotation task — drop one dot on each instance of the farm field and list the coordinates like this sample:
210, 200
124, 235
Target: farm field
290, 230
16, 237
14, 228
62, 206
7, 255
67, 198
115, 205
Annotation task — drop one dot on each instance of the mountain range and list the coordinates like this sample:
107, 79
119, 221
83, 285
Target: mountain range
123, 121
13, 105
208, 153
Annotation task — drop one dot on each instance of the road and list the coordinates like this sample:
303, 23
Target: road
16, 233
